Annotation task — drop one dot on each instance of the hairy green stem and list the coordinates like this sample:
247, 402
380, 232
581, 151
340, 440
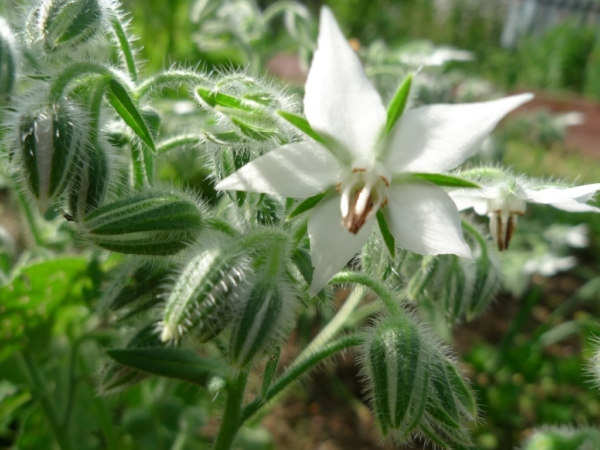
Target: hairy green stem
178, 141
169, 78
297, 370
39, 392
125, 46
140, 176
390, 300
77, 71
233, 408
34, 229
95, 110
477, 235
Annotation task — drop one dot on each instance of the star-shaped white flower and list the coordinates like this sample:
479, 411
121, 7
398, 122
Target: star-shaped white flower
364, 168
505, 200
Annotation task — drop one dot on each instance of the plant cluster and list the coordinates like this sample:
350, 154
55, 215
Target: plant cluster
206, 289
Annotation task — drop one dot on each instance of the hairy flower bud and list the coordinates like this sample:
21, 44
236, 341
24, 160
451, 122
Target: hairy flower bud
265, 315
147, 223
8, 59
396, 365
61, 23
419, 282
51, 140
416, 390
204, 292
90, 182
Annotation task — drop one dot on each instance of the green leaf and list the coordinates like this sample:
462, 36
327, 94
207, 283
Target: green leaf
445, 180
390, 241
307, 205
124, 106
302, 124
177, 363
269, 373
398, 103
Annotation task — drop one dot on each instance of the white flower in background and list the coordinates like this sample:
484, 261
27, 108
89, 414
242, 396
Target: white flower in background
506, 200
365, 165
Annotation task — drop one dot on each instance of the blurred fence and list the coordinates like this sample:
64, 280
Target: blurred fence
533, 17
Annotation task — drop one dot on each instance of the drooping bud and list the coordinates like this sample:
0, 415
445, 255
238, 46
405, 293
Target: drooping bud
65, 23
204, 292
8, 59
90, 182
265, 315
420, 280
453, 290
147, 223
51, 140
396, 364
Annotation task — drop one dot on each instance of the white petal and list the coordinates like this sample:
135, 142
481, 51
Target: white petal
331, 244
575, 206
425, 220
440, 137
340, 100
462, 202
295, 170
559, 195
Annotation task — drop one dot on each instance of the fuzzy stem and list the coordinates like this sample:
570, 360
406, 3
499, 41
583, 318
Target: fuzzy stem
29, 215
231, 422
140, 177
320, 345
95, 109
296, 370
38, 390
125, 47
178, 141
77, 71
387, 297
167, 78
478, 237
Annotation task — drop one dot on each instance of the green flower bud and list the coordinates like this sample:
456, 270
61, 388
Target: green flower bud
453, 289
8, 59
204, 292
136, 289
421, 279
51, 141
396, 364
147, 223
265, 314
90, 182
65, 23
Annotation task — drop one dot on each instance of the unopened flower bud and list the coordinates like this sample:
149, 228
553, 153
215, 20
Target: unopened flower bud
265, 315
420, 280
148, 223
8, 59
61, 23
51, 140
396, 364
453, 289
204, 292
90, 182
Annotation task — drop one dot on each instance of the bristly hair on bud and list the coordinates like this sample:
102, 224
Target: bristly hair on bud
415, 388
153, 222
47, 142
67, 24
205, 289
9, 62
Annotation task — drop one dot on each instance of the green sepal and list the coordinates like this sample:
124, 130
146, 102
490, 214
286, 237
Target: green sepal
433, 437
214, 99
306, 205
445, 180
388, 238
72, 22
302, 124
255, 132
461, 390
90, 182
123, 104
170, 362
398, 103
444, 409
269, 373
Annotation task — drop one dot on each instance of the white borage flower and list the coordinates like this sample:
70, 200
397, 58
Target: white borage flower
366, 160
504, 200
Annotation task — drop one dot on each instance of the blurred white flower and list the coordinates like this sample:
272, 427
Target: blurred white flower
504, 201
364, 166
